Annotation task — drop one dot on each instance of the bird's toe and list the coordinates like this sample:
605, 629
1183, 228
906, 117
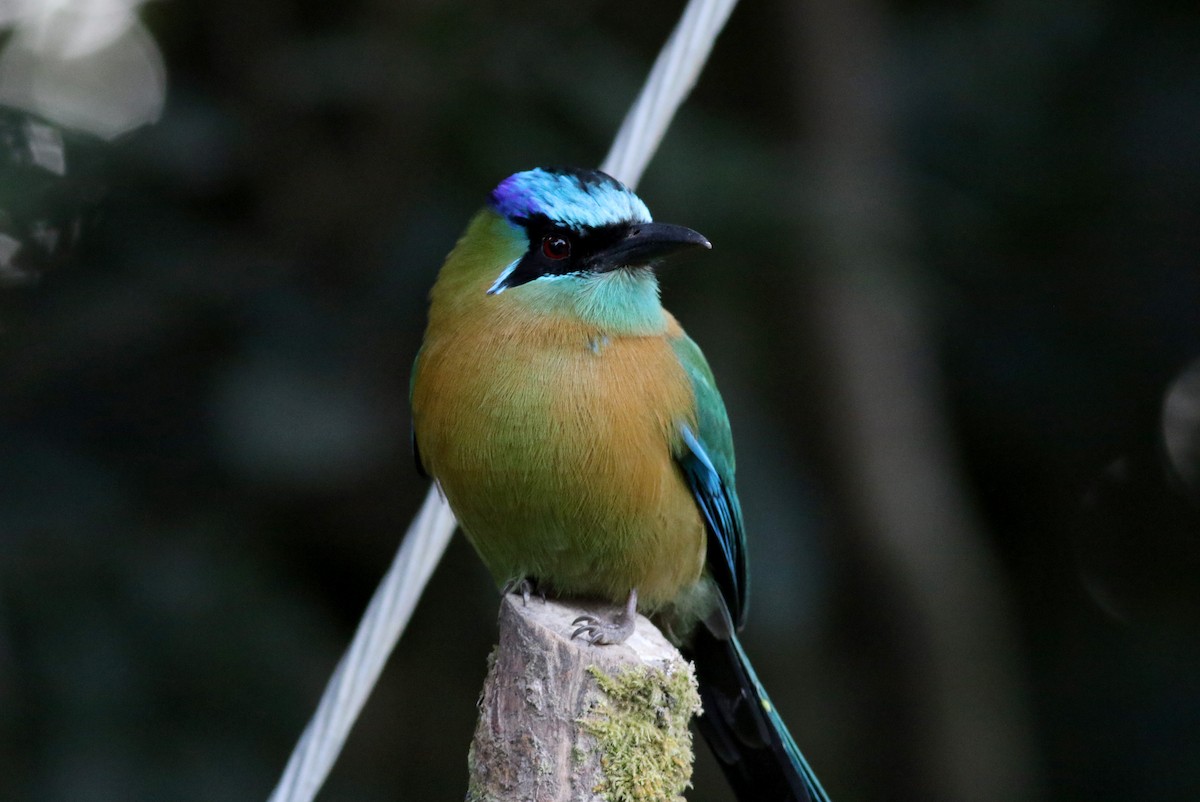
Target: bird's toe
599, 632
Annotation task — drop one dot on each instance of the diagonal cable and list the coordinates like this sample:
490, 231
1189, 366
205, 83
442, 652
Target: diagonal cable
671, 78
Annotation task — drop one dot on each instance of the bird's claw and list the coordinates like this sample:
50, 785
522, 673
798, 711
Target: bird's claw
525, 587
601, 632
598, 632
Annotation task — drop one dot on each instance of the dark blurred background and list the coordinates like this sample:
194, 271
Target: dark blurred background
952, 305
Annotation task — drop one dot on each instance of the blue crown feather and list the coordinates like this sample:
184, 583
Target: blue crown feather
577, 199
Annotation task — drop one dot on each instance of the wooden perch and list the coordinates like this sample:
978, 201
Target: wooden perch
562, 721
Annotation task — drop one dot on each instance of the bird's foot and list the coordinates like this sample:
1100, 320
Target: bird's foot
601, 632
525, 586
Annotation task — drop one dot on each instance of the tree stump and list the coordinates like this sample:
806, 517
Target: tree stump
563, 721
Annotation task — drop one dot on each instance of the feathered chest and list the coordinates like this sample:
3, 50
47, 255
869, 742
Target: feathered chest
544, 400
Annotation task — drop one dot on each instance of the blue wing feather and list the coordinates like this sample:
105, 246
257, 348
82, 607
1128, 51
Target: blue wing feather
748, 737
706, 459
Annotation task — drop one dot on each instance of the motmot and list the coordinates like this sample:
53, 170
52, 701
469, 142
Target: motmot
578, 435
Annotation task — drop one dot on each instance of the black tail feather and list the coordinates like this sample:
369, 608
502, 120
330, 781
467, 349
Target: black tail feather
741, 726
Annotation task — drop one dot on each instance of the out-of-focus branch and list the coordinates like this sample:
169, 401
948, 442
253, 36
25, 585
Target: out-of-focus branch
965, 732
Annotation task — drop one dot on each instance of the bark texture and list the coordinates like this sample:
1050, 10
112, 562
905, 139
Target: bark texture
562, 721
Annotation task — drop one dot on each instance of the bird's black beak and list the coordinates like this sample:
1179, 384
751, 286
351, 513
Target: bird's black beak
644, 243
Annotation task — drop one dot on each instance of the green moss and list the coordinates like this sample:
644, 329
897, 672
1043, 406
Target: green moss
640, 724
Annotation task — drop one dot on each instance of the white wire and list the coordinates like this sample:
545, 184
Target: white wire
382, 624
672, 77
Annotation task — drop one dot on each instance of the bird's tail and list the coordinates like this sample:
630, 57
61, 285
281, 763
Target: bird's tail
741, 726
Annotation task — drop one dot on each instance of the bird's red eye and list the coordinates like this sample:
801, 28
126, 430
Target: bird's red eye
556, 248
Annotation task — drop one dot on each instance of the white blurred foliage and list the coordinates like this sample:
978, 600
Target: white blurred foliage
1181, 426
85, 64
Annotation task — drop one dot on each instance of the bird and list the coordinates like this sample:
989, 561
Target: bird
578, 435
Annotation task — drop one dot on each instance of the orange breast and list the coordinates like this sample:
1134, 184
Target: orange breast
553, 446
